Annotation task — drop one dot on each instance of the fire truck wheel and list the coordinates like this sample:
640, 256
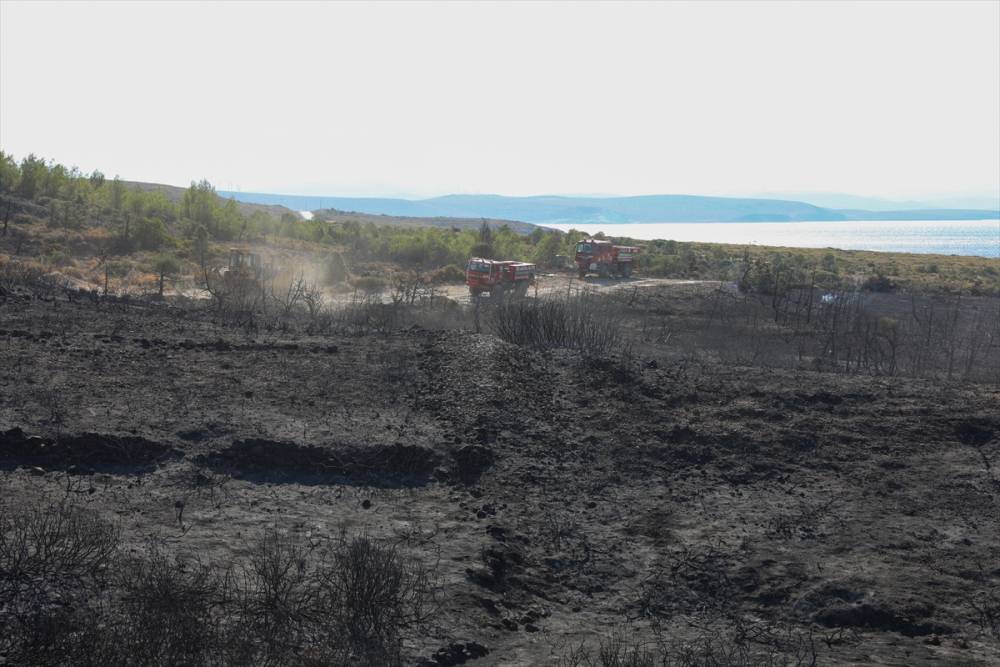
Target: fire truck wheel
583, 273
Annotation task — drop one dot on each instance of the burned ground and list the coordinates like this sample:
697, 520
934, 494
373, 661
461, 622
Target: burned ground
558, 499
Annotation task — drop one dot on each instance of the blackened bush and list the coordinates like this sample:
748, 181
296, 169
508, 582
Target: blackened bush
374, 593
50, 542
721, 648
615, 651
49, 561
165, 615
273, 600
585, 323
287, 603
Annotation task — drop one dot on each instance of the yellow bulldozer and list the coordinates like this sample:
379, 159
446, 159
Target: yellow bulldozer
246, 272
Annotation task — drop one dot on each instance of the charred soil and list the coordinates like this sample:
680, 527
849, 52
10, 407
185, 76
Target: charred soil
557, 499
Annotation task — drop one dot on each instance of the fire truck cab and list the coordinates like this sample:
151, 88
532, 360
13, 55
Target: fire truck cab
498, 277
605, 258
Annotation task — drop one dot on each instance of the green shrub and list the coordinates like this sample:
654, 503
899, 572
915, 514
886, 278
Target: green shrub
58, 258
149, 233
447, 274
879, 283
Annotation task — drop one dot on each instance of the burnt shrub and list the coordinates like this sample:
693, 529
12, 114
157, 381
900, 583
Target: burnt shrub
71, 595
373, 593
741, 645
52, 542
585, 323
52, 561
272, 600
165, 615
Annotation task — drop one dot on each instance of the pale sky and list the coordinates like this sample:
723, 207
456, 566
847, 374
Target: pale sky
895, 100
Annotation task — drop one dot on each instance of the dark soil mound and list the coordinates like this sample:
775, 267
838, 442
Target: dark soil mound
878, 617
976, 431
276, 461
471, 461
85, 452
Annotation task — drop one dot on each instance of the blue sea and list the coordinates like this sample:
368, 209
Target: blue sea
944, 237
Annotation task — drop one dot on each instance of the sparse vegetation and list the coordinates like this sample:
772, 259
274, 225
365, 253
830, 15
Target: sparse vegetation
72, 595
72, 217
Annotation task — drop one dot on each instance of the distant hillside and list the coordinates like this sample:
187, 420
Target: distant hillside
606, 210
333, 215
551, 209
841, 201
176, 194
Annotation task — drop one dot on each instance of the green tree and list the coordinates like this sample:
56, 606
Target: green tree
10, 174
33, 175
484, 246
116, 195
199, 204
149, 233
200, 246
547, 249
56, 181
166, 265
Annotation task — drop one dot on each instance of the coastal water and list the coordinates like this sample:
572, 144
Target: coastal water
945, 237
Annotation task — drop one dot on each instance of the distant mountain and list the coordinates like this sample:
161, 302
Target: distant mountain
334, 215
840, 200
980, 202
923, 214
600, 210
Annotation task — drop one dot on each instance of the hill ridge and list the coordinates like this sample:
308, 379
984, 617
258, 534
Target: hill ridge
545, 209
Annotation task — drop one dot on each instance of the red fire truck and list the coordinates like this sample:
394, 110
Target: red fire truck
498, 277
605, 258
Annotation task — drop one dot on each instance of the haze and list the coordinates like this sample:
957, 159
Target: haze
893, 100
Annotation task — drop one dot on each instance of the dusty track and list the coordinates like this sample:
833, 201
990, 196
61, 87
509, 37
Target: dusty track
554, 283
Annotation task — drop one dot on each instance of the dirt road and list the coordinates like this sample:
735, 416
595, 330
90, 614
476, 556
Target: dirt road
554, 283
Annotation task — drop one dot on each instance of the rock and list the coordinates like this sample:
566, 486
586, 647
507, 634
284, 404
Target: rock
456, 654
